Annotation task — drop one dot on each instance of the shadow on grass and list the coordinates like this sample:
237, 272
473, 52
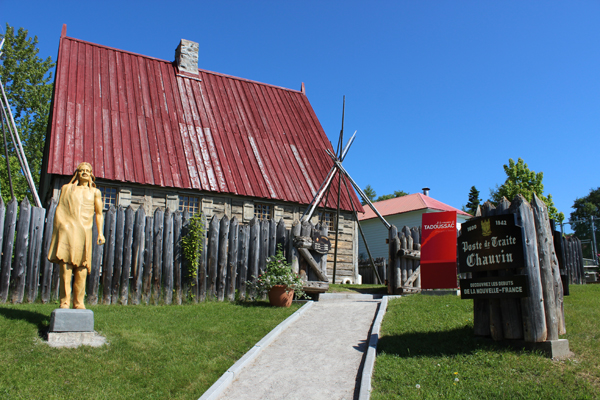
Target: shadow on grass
42, 321
437, 344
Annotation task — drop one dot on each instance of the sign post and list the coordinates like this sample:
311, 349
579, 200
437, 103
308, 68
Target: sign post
438, 251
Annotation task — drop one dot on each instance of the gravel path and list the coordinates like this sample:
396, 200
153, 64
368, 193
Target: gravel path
317, 357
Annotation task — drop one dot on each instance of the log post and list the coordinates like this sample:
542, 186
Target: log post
35, 251
244, 239
178, 269
296, 229
47, 266
393, 257
110, 225
213, 257
118, 265
17, 283
534, 320
127, 251
138, 254
148, 259
7, 248
253, 252
222, 258
232, 258
167, 257
159, 226
548, 280
203, 263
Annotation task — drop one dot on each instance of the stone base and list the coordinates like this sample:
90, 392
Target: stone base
554, 349
75, 339
68, 320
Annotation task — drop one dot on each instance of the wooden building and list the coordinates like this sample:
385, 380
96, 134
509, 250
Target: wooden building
168, 134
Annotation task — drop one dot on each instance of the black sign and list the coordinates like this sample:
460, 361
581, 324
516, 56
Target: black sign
494, 287
321, 244
490, 243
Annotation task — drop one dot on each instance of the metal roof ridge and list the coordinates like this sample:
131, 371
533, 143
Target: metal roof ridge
115, 49
171, 62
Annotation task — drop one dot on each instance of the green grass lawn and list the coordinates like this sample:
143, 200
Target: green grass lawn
155, 352
428, 350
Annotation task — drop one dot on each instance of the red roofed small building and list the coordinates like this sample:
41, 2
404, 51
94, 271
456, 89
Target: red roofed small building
168, 134
399, 211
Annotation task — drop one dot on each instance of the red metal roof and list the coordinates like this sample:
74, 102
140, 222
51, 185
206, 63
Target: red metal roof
411, 202
137, 119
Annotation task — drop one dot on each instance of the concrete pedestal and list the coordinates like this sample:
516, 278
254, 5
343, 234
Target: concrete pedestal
73, 328
554, 349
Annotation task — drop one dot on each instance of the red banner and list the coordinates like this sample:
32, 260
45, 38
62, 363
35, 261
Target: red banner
438, 251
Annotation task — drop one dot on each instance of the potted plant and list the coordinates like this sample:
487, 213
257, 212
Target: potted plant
279, 281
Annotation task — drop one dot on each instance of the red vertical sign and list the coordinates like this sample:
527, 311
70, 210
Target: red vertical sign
438, 250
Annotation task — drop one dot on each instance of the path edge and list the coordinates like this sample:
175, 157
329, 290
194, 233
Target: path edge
369, 365
225, 380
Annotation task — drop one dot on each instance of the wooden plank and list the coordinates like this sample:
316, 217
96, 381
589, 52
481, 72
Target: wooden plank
47, 266
178, 268
167, 255
253, 252
316, 267
550, 283
138, 250
213, 257
202, 264
222, 258
244, 238
118, 265
110, 226
232, 258
127, 254
147, 261
409, 282
534, 321
10, 224
315, 287
17, 284
36, 229
159, 225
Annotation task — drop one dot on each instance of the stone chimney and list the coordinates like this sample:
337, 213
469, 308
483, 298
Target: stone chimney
425, 191
186, 56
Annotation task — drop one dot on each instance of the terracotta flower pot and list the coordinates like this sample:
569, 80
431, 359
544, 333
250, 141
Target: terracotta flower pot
279, 298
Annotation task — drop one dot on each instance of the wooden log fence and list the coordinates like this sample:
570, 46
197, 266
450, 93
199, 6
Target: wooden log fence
403, 271
142, 260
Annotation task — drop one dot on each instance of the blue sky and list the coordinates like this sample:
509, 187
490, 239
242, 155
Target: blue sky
442, 93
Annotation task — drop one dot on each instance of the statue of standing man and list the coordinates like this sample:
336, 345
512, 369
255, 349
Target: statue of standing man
71, 245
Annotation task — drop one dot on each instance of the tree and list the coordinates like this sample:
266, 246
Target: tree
370, 192
521, 180
581, 219
27, 82
474, 201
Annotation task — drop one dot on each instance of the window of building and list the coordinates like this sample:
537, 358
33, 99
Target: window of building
327, 218
263, 211
109, 196
189, 203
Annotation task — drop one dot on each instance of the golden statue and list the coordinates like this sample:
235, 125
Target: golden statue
71, 245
